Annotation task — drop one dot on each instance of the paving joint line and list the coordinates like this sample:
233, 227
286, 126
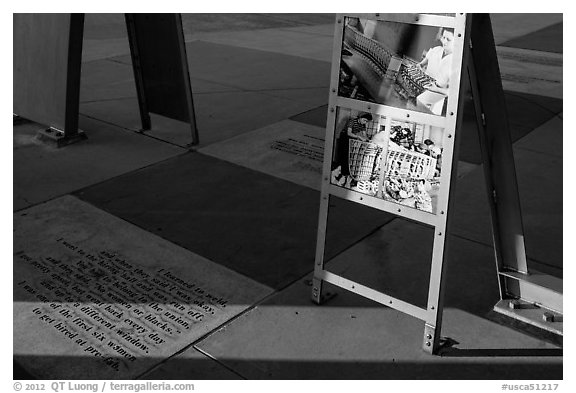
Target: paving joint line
478, 242
181, 351
523, 97
80, 190
296, 24
106, 100
133, 131
542, 153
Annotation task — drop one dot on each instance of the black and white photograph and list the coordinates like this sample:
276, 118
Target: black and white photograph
401, 165
402, 65
202, 201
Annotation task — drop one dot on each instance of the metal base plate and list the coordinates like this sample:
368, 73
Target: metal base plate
532, 314
58, 138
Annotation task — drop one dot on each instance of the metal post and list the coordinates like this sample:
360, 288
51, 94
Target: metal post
138, 77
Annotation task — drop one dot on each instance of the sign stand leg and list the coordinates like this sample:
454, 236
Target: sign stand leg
70, 133
138, 77
317, 284
531, 297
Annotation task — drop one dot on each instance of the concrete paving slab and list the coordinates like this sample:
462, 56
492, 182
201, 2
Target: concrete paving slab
99, 49
372, 343
509, 26
303, 19
105, 34
98, 298
315, 117
106, 80
547, 139
308, 42
104, 26
326, 29
530, 71
540, 188
548, 39
219, 116
255, 224
288, 150
214, 22
42, 172
311, 97
252, 70
109, 80
349, 337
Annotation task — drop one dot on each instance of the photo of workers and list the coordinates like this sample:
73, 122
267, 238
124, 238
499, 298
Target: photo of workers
402, 65
401, 165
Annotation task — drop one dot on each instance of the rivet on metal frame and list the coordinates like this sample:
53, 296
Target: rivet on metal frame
339, 21
428, 343
331, 109
449, 135
429, 336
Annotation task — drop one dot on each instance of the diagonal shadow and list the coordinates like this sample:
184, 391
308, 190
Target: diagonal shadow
200, 367
501, 352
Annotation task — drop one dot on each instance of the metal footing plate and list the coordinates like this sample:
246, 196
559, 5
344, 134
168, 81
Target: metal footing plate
531, 314
58, 138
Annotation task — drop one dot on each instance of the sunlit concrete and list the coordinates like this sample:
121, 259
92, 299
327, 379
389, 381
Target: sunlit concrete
60, 240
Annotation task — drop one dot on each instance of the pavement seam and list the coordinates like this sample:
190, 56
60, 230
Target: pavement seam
478, 242
75, 193
237, 87
181, 351
531, 150
135, 131
296, 24
219, 362
106, 100
522, 96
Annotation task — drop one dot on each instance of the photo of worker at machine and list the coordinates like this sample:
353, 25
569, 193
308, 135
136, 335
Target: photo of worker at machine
409, 175
402, 65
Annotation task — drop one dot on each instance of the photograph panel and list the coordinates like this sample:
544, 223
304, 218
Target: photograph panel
394, 160
359, 144
401, 65
412, 174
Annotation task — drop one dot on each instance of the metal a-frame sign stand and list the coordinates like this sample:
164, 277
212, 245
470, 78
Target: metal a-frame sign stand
47, 72
530, 297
